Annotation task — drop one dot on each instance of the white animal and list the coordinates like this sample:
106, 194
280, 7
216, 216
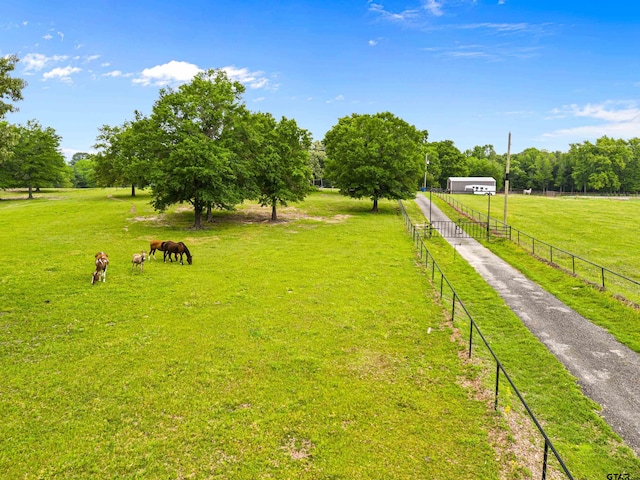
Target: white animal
527, 191
138, 260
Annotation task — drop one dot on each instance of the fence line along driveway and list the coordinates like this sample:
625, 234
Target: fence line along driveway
607, 371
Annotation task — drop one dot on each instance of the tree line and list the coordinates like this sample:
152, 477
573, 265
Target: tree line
202, 146
606, 166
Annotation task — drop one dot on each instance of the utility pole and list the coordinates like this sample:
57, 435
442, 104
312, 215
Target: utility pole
506, 179
426, 166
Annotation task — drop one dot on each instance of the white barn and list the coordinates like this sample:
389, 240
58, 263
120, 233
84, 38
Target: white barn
478, 185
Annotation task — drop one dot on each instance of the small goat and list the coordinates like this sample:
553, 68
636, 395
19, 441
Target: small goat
102, 262
138, 259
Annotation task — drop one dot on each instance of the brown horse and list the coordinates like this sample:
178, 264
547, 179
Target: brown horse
153, 246
175, 248
102, 262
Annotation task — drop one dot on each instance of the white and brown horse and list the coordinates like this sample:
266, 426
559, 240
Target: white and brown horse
102, 262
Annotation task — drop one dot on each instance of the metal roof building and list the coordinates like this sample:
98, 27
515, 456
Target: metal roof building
464, 184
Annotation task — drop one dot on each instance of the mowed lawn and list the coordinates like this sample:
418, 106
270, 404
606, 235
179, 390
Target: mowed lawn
306, 348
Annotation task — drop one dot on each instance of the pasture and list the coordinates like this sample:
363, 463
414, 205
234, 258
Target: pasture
306, 348
603, 230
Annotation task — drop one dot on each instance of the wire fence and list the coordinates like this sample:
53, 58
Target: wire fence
598, 275
459, 313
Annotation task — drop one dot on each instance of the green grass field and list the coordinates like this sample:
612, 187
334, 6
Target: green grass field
298, 349
308, 348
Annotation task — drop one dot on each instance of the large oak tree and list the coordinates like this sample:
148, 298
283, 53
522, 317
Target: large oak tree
36, 160
10, 91
282, 170
200, 159
375, 156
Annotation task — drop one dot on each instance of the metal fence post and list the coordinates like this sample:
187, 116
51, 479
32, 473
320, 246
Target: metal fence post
470, 336
545, 459
495, 403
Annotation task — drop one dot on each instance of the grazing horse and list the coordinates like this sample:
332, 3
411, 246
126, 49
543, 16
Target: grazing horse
527, 191
153, 246
138, 259
175, 248
102, 262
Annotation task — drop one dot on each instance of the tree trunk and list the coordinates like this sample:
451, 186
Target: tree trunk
209, 212
133, 190
30, 192
375, 205
198, 219
274, 215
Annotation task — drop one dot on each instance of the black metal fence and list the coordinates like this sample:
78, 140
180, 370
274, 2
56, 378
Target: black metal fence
459, 311
598, 275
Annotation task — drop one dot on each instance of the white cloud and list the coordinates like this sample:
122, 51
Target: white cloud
37, 61
434, 7
373, 43
175, 73
403, 16
620, 119
91, 58
48, 36
62, 74
243, 75
337, 98
170, 73
114, 73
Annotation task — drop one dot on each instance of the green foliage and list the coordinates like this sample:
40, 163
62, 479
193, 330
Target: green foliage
84, 173
483, 167
35, 159
126, 155
375, 156
452, 162
317, 159
10, 88
282, 170
200, 160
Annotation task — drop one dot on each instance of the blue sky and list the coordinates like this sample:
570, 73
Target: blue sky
470, 71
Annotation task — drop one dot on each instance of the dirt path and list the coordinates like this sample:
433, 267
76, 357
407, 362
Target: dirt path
608, 371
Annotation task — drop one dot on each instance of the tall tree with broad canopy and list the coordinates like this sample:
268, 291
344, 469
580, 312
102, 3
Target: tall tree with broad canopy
283, 173
375, 156
201, 159
452, 162
125, 154
10, 90
36, 160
